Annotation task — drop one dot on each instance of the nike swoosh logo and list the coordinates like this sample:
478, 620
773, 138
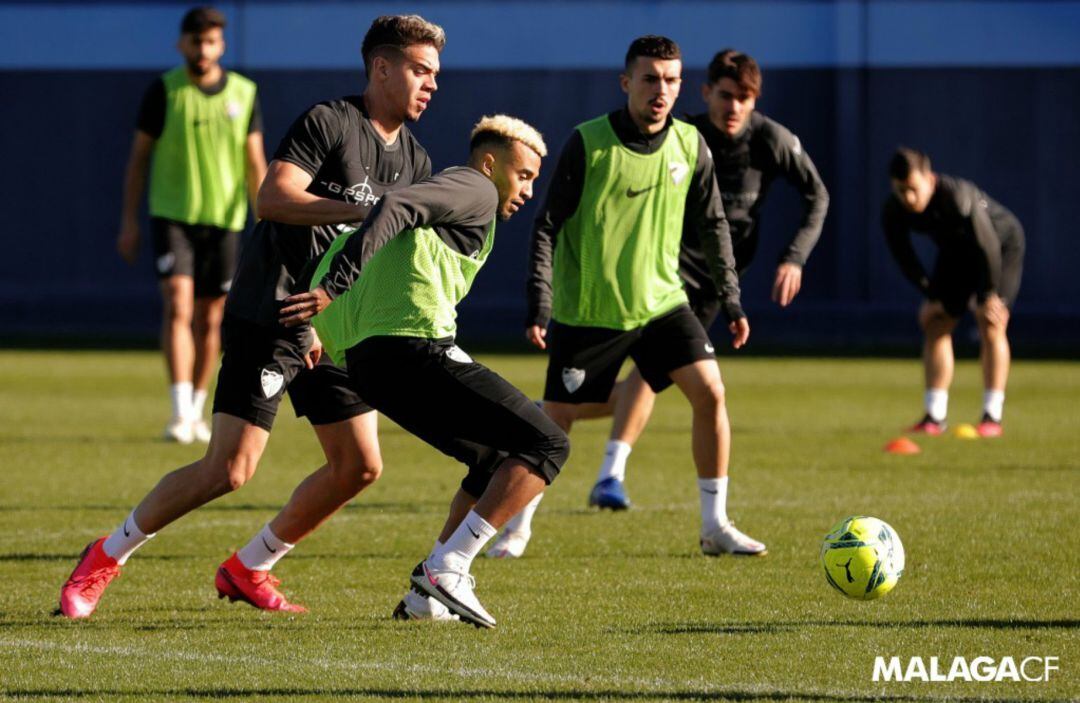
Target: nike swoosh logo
272, 550
126, 533
474, 532
631, 193
712, 493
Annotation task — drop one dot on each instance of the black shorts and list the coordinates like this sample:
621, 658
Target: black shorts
207, 254
260, 363
585, 361
957, 278
437, 392
705, 305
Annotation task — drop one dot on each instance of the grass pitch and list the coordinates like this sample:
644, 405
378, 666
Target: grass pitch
603, 606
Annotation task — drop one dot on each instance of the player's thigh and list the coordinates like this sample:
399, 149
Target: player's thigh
437, 392
352, 443
325, 395
257, 365
174, 248
584, 362
668, 343
215, 256
235, 445
700, 382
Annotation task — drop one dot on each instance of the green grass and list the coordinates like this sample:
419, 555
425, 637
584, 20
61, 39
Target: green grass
604, 606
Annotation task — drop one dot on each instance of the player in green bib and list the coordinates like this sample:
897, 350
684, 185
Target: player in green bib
605, 274
394, 285
199, 134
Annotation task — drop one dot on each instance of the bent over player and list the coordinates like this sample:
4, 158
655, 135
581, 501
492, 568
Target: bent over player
395, 285
979, 263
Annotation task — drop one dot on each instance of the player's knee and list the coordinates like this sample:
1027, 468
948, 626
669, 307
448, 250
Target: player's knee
562, 414
710, 398
935, 323
360, 474
238, 470
554, 446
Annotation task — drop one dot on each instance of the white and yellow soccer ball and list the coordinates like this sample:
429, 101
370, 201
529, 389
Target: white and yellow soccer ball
863, 557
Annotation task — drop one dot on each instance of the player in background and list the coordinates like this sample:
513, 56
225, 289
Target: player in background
199, 134
750, 151
979, 263
395, 285
338, 160
605, 270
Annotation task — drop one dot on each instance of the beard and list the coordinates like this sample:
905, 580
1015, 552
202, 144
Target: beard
198, 70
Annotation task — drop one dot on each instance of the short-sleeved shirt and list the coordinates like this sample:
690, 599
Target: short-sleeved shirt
151, 117
336, 144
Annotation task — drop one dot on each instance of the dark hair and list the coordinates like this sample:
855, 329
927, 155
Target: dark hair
653, 46
739, 67
392, 34
200, 19
906, 160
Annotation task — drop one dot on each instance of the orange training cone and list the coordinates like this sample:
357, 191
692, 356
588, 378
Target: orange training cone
902, 445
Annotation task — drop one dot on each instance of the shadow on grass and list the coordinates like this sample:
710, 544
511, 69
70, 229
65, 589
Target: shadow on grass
732, 694
777, 628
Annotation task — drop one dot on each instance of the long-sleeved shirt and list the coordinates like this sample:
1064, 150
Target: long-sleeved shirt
459, 204
961, 220
746, 166
704, 213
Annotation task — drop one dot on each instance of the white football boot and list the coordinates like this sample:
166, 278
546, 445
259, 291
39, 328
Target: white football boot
508, 545
200, 431
728, 540
454, 589
419, 606
179, 430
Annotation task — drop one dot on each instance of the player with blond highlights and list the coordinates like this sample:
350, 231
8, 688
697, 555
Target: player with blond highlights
386, 300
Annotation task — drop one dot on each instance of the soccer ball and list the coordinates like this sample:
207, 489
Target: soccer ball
862, 557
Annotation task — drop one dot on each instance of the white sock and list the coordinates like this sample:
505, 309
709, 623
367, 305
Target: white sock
198, 403
438, 543
181, 399
264, 550
937, 403
614, 463
125, 540
522, 522
463, 546
994, 404
713, 502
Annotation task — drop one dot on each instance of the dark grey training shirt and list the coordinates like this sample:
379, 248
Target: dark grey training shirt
338, 146
459, 204
746, 166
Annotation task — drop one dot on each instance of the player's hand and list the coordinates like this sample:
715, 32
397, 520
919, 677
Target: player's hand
787, 284
995, 311
315, 352
535, 334
127, 244
740, 329
302, 307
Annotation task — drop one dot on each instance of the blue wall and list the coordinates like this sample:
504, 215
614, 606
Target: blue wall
990, 89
